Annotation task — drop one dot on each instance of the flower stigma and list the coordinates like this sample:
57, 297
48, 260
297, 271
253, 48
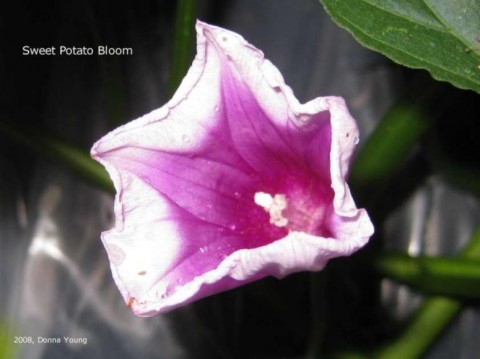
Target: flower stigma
274, 206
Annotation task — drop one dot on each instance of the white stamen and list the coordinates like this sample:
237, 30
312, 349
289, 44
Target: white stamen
274, 206
263, 200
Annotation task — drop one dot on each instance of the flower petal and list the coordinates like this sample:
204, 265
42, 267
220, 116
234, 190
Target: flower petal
232, 180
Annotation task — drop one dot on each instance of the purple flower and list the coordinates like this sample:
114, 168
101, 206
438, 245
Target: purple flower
231, 181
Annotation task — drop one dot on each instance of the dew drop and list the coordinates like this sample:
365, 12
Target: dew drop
232, 227
185, 139
356, 140
237, 194
216, 109
202, 250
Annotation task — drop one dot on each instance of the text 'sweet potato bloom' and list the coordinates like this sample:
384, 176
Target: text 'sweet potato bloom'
231, 181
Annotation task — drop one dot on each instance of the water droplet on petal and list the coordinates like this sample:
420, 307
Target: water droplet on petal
232, 227
216, 109
356, 140
237, 194
185, 139
202, 250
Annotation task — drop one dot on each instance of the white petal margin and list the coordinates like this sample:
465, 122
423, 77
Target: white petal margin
296, 252
144, 242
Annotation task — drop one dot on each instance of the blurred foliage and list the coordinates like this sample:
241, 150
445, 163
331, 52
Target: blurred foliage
183, 42
430, 319
65, 153
7, 346
433, 275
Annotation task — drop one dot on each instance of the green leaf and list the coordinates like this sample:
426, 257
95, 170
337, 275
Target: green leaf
461, 18
440, 36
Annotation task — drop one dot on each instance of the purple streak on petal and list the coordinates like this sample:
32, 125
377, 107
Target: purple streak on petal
274, 148
259, 142
292, 158
210, 191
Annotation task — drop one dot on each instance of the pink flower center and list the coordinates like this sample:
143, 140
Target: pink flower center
299, 209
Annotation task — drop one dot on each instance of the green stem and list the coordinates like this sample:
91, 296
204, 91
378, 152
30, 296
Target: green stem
182, 42
430, 320
465, 176
434, 275
114, 90
74, 158
428, 323
388, 146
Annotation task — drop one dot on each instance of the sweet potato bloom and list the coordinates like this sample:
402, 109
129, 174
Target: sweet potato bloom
231, 181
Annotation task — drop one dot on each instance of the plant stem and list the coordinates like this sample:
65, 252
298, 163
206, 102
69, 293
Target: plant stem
434, 275
388, 146
182, 42
430, 320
